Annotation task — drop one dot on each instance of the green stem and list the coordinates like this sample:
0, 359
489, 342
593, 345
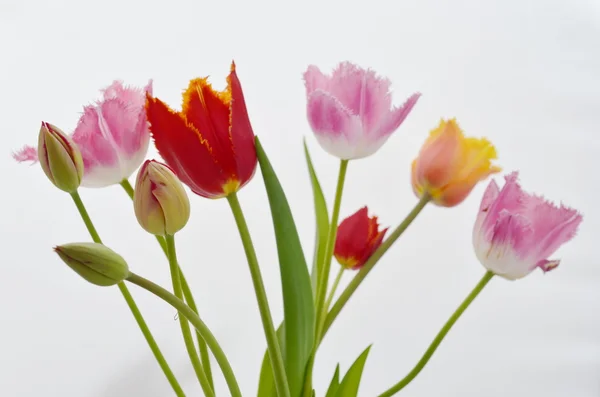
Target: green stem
132, 305
336, 282
274, 349
360, 276
186, 312
127, 187
324, 275
86, 217
185, 326
439, 337
187, 294
323, 278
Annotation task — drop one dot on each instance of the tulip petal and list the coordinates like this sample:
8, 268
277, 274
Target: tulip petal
547, 265
314, 80
337, 130
554, 225
507, 255
242, 136
100, 156
26, 153
208, 111
392, 121
186, 152
363, 92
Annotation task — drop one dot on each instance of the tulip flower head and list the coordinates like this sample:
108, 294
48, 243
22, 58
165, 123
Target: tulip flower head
210, 143
94, 262
449, 164
351, 110
516, 232
358, 236
60, 158
112, 136
160, 202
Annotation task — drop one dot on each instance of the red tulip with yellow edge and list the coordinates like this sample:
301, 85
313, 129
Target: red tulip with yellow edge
209, 144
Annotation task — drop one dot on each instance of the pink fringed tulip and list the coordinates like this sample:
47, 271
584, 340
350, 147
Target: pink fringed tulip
516, 232
112, 136
351, 111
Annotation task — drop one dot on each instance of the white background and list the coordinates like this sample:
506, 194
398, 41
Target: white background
525, 73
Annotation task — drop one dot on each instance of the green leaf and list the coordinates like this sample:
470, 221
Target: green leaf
351, 381
322, 221
298, 304
266, 382
334, 384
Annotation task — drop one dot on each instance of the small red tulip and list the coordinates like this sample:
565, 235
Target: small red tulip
210, 143
358, 236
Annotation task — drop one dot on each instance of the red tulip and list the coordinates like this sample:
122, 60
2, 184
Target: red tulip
358, 236
210, 143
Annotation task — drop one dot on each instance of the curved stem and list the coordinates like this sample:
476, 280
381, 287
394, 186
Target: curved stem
274, 349
321, 310
360, 276
186, 312
187, 294
183, 322
132, 305
336, 282
439, 337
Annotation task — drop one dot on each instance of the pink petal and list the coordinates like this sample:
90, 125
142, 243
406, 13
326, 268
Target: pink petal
328, 116
547, 265
507, 255
553, 225
390, 123
27, 153
510, 199
133, 96
96, 150
511, 230
363, 92
482, 236
314, 80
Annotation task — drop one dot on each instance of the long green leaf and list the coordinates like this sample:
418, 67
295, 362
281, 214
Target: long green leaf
334, 384
298, 304
322, 221
351, 381
266, 382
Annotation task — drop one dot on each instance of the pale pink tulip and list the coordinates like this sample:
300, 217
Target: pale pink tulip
112, 136
351, 111
516, 232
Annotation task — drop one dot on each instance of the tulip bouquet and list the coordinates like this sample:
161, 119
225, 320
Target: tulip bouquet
210, 147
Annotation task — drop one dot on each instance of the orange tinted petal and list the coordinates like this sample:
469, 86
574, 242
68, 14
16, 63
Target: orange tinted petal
436, 163
208, 111
184, 150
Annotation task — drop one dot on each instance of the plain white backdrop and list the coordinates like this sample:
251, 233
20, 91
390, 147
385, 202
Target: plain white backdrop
524, 73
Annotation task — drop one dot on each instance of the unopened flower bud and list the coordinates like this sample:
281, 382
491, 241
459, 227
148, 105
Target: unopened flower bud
94, 262
160, 202
60, 158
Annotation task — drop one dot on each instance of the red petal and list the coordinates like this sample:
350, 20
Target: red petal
208, 111
184, 150
242, 135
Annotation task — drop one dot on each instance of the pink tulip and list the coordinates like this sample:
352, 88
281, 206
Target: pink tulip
351, 111
112, 136
516, 232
